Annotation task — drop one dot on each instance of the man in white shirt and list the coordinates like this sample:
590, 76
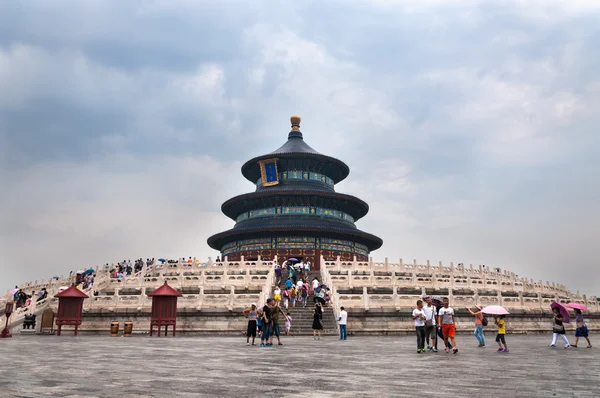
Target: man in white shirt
446, 319
343, 318
419, 317
430, 325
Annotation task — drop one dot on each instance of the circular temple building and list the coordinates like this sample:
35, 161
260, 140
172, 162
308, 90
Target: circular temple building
295, 211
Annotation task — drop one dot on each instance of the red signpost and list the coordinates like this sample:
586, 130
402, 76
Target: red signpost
70, 308
8, 310
164, 308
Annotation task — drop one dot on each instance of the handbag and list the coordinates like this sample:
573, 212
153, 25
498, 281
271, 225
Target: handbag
558, 329
429, 322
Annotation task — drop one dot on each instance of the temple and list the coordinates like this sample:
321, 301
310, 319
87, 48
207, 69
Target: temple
295, 210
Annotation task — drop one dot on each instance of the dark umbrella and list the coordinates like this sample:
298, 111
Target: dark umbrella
435, 300
89, 271
563, 311
162, 260
320, 299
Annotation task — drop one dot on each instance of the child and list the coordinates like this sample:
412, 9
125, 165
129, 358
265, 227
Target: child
288, 324
501, 332
277, 294
259, 322
419, 317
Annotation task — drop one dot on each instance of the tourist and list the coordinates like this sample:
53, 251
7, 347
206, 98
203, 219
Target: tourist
317, 325
277, 275
304, 293
286, 298
259, 322
419, 317
582, 329
288, 324
252, 315
277, 294
499, 321
343, 319
306, 270
266, 322
479, 324
430, 325
288, 283
446, 319
558, 328
275, 310
315, 285
293, 295
42, 294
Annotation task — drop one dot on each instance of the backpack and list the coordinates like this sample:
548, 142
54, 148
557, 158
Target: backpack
484, 321
285, 293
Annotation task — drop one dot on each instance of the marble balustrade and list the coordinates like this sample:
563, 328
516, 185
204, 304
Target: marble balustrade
367, 284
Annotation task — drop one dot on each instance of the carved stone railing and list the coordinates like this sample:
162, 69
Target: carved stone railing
464, 286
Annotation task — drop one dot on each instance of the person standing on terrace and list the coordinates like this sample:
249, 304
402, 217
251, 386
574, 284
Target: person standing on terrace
252, 314
275, 330
343, 319
582, 329
430, 325
446, 319
419, 317
266, 322
558, 329
478, 325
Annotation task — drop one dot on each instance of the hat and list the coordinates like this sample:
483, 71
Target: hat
253, 305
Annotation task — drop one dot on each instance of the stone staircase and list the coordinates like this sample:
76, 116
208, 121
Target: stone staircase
302, 317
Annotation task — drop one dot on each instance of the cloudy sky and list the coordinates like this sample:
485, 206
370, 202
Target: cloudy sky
470, 127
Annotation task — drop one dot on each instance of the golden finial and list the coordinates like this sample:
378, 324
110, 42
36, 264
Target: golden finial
295, 123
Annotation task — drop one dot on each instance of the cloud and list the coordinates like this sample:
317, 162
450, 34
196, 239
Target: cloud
469, 127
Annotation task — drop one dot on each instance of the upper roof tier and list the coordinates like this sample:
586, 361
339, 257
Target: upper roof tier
296, 153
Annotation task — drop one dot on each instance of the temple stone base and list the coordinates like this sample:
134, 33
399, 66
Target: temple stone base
389, 321
360, 322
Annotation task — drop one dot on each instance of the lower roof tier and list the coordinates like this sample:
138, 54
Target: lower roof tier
295, 197
220, 240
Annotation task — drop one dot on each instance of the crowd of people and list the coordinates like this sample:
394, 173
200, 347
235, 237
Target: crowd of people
435, 321
265, 323
125, 267
22, 299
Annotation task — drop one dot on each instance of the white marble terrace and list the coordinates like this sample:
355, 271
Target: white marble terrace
356, 284
221, 285
399, 285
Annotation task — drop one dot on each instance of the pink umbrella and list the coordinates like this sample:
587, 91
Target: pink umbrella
495, 310
577, 306
563, 311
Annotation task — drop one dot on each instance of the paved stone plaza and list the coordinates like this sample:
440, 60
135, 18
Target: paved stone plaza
225, 367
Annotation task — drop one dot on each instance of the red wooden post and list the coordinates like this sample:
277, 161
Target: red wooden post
8, 309
164, 308
70, 308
